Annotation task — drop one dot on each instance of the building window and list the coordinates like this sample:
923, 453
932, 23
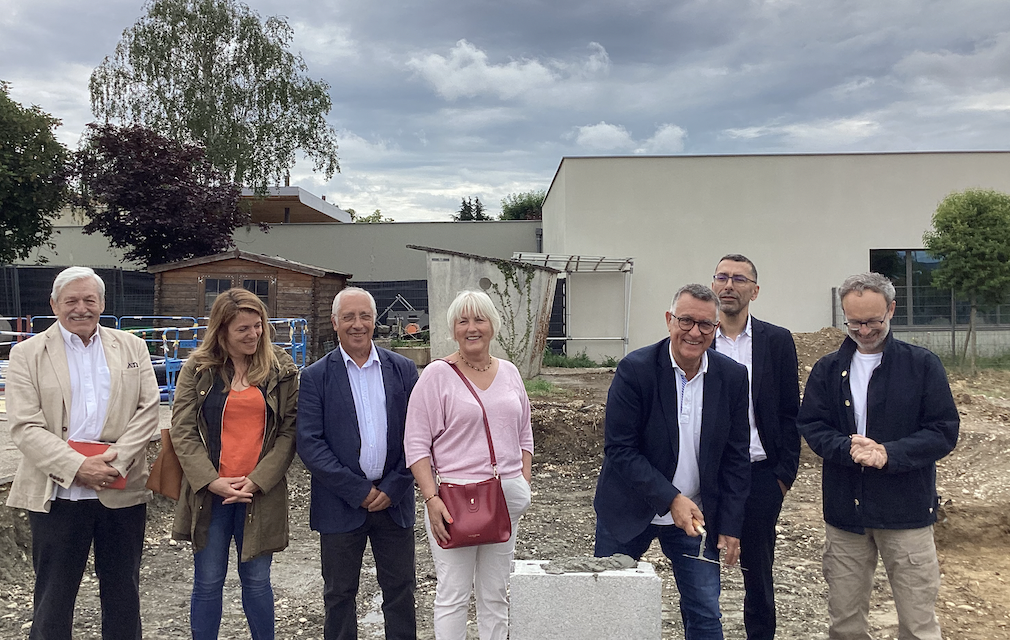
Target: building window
919, 303
264, 287
211, 288
259, 287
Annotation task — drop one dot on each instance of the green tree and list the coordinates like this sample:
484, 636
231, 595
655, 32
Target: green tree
971, 236
157, 198
376, 216
528, 205
33, 178
471, 210
211, 72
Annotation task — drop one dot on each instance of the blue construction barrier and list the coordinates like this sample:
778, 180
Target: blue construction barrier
170, 340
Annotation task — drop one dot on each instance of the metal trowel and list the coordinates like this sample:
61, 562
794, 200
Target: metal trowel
701, 547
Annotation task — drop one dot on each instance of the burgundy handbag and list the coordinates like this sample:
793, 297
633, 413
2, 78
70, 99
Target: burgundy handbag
479, 512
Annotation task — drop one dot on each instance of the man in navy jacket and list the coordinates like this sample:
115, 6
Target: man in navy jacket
880, 413
675, 456
351, 410
769, 354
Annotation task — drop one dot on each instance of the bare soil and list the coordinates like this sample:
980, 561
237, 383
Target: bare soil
973, 534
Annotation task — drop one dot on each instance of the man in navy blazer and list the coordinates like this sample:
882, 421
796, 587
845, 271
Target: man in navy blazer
351, 410
675, 457
769, 353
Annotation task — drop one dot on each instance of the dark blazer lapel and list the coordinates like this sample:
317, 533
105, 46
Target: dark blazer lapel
759, 357
394, 441
712, 411
666, 389
340, 386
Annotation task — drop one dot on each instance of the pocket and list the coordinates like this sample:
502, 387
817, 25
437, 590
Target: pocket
517, 495
922, 558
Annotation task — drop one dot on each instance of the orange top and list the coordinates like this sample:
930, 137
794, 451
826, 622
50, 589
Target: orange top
242, 430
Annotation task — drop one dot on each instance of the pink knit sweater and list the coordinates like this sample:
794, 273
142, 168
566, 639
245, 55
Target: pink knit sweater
442, 410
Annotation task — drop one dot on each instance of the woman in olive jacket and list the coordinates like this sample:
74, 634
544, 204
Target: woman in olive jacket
221, 500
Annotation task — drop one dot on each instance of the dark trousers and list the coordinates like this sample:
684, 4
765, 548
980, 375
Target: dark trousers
697, 582
393, 550
757, 551
61, 540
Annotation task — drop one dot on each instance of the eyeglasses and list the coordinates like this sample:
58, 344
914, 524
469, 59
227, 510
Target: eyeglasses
723, 278
856, 325
704, 326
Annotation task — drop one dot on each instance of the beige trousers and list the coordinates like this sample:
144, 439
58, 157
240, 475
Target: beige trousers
909, 557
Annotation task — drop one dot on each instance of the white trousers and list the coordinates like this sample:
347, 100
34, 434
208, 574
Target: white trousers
482, 570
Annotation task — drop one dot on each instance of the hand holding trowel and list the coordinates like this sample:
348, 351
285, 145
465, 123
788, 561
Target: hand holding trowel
701, 547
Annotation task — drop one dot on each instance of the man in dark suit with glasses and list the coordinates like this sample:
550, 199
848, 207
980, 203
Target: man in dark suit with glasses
769, 353
675, 459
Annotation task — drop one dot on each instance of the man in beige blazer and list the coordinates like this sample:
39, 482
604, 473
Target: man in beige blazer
78, 381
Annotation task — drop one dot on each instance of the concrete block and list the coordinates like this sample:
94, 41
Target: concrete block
611, 605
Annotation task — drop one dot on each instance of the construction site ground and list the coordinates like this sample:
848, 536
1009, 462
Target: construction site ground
973, 534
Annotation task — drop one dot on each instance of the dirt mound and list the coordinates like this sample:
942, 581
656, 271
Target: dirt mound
15, 543
811, 347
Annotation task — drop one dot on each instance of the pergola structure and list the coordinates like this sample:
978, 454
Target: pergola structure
585, 265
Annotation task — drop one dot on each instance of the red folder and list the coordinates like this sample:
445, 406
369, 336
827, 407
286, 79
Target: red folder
94, 449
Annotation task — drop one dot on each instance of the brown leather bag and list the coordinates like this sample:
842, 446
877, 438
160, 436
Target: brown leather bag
479, 512
166, 473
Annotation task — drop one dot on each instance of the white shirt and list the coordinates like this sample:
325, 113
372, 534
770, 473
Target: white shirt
370, 406
690, 397
742, 350
860, 371
89, 398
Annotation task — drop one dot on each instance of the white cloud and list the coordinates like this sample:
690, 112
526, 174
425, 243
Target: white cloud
604, 137
668, 139
322, 43
61, 91
465, 73
612, 138
997, 101
814, 135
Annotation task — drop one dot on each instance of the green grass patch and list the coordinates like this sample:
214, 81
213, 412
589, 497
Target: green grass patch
540, 388
578, 361
999, 363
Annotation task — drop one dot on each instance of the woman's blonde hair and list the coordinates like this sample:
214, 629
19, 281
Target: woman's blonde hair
213, 351
473, 303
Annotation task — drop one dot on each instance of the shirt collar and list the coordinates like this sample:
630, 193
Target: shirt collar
702, 369
746, 330
73, 340
373, 356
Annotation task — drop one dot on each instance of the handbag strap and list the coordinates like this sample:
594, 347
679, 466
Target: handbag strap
487, 427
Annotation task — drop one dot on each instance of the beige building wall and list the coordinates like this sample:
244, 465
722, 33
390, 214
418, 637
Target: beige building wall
368, 251
807, 221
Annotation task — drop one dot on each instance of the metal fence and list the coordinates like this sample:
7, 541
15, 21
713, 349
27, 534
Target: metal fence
25, 289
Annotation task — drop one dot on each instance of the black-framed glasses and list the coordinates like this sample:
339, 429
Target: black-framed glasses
856, 325
704, 326
723, 278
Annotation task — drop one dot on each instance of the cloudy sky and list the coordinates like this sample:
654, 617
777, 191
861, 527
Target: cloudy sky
435, 101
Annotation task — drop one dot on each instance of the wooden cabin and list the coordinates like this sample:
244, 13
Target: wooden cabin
288, 289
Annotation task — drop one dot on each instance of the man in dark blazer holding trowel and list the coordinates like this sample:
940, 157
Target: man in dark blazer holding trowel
676, 459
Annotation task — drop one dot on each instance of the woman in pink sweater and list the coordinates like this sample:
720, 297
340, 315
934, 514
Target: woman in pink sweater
444, 419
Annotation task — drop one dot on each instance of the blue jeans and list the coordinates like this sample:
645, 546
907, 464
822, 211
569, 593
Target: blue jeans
697, 581
211, 566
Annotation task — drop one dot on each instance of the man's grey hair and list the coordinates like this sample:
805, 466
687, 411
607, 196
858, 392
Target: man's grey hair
698, 292
70, 274
348, 290
868, 281
738, 257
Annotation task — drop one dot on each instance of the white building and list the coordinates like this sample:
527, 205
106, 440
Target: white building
807, 221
